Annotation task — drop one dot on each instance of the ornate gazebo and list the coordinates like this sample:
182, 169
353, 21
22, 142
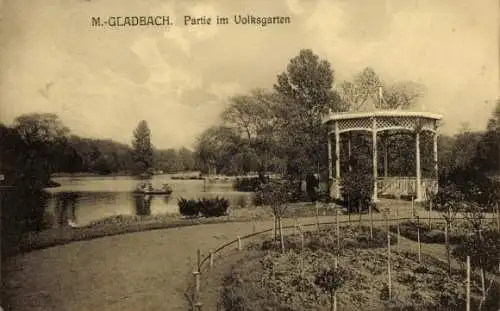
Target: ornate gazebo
376, 122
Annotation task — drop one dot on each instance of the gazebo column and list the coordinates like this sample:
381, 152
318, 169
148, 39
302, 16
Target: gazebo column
337, 160
330, 160
374, 154
417, 157
349, 152
436, 169
384, 145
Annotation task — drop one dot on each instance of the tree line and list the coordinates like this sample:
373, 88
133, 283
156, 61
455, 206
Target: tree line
38, 145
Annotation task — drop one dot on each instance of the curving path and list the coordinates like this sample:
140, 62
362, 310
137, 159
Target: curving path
138, 271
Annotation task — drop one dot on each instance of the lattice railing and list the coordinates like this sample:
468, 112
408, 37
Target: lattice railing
410, 123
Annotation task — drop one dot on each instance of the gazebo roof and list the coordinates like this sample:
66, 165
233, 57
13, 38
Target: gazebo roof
332, 116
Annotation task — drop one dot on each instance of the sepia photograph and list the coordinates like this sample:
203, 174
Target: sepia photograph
243, 155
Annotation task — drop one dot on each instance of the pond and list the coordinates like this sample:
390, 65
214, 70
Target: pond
82, 200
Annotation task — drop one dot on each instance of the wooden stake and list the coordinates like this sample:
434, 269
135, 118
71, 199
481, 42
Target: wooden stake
274, 228
430, 212
447, 244
389, 281
336, 265
449, 216
317, 216
412, 209
282, 241
211, 259
294, 226
397, 229
196, 275
301, 239
498, 216
239, 244
483, 285
371, 221
418, 241
338, 231
468, 285
253, 226
198, 259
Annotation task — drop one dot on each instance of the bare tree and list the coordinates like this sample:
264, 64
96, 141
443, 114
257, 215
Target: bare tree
276, 195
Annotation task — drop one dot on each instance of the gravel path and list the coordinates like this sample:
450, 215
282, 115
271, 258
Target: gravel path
139, 271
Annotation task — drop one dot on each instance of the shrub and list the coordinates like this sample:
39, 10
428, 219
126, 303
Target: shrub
188, 208
206, 207
357, 190
448, 196
484, 250
213, 207
312, 184
247, 184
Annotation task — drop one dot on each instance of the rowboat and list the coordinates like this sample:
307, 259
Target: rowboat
149, 190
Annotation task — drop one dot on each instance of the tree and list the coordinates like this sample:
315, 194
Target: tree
253, 117
356, 95
216, 149
364, 92
142, 148
277, 194
305, 93
45, 137
251, 114
44, 128
186, 159
402, 95
488, 148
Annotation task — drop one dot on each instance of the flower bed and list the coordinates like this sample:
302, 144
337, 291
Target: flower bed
350, 237
289, 281
435, 234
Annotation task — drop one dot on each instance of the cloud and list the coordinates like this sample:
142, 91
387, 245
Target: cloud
295, 6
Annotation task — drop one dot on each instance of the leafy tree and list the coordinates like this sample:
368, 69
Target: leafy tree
45, 137
488, 148
253, 117
142, 148
357, 185
305, 92
44, 128
186, 159
216, 148
168, 160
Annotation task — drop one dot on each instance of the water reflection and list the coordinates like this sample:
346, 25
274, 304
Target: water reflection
143, 204
65, 209
84, 200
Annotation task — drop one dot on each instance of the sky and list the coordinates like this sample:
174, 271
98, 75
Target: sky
103, 81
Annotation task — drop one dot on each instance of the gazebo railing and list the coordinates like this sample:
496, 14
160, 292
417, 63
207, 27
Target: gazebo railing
405, 185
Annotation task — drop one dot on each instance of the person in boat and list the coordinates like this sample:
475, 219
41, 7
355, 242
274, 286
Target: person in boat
141, 187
